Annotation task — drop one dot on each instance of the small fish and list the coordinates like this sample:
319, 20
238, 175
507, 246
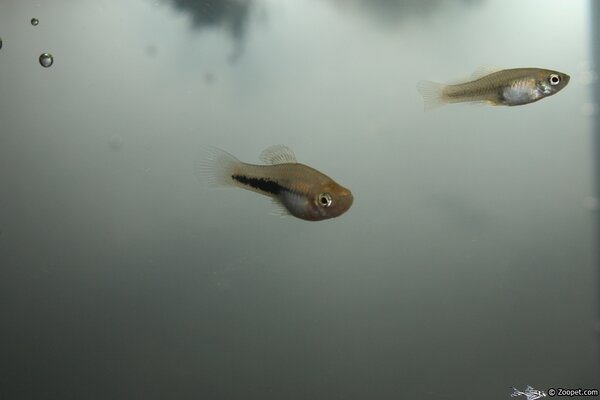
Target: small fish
303, 191
508, 87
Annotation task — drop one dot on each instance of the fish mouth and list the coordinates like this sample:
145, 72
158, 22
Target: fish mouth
345, 201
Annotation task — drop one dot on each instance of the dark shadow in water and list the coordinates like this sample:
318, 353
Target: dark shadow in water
234, 15
595, 15
231, 15
390, 12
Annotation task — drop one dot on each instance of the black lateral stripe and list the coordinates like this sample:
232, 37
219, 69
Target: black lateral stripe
263, 184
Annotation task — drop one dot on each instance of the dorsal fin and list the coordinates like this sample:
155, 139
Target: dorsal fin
278, 154
484, 70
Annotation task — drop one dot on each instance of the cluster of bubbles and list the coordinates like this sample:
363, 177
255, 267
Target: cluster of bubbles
46, 59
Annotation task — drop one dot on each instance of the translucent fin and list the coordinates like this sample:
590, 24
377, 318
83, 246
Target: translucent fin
278, 154
432, 93
214, 167
484, 70
278, 209
482, 103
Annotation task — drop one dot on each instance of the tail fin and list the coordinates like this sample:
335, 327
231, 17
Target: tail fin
214, 167
433, 94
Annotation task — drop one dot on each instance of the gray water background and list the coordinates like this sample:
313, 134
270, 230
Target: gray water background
466, 265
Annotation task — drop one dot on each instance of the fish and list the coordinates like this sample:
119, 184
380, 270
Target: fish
507, 87
296, 188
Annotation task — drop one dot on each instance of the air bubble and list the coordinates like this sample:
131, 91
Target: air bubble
46, 60
35, 21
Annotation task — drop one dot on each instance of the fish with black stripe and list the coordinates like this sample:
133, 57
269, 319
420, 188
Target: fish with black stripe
303, 191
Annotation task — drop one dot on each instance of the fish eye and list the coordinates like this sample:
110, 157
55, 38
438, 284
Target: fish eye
554, 79
325, 200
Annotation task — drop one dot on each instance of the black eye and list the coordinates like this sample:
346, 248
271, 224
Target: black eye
554, 79
325, 200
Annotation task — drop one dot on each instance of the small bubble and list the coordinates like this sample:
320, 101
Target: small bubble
35, 21
46, 60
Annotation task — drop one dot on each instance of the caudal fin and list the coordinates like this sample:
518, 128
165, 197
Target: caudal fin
433, 94
214, 167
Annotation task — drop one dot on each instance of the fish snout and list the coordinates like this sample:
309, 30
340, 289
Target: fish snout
345, 200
